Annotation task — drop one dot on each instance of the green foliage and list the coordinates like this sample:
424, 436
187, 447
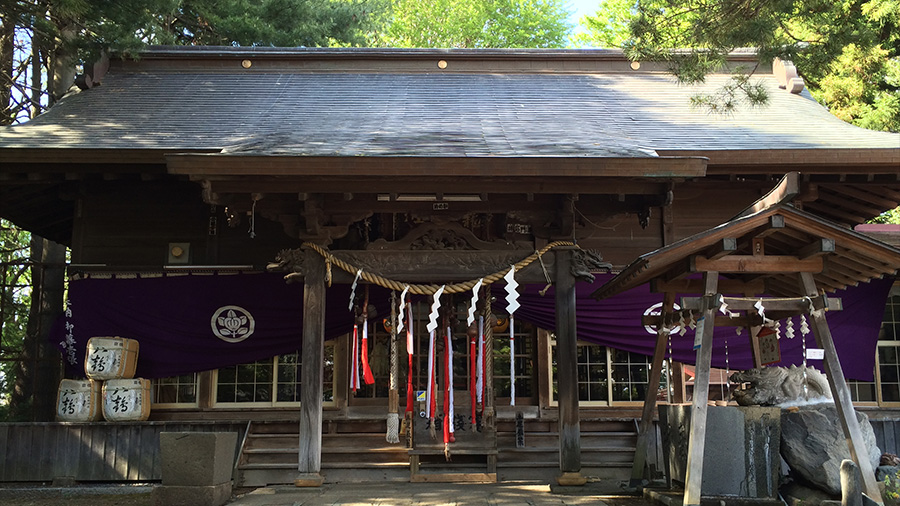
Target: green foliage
891, 216
608, 27
477, 24
891, 493
15, 300
127, 25
861, 88
848, 52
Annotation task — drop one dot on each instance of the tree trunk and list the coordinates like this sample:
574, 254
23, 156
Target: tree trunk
37, 85
38, 370
7, 38
62, 60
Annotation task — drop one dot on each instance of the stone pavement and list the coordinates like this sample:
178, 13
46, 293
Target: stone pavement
440, 494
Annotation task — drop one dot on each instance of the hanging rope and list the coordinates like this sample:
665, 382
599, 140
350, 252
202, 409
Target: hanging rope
431, 289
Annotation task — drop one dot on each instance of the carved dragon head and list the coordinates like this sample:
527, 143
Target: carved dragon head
586, 262
287, 260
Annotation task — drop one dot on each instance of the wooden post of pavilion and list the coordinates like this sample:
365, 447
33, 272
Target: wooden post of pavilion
567, 373
659, 352
840, 392
798, 246
312, 350
697, 439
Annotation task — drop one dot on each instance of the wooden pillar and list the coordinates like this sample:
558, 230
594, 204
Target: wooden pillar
679, 394
697, 439
754, 335
312, 350
841, 394
645, 429
567, 373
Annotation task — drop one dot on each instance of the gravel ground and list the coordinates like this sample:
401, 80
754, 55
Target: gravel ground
381, 494
81, 495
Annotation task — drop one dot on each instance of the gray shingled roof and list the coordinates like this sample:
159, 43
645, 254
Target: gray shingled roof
342, 113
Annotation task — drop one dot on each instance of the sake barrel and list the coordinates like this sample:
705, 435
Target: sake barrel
78, 401
126, 400
110, 358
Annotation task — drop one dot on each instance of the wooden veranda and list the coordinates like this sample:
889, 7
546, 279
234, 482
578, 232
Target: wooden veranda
772, 252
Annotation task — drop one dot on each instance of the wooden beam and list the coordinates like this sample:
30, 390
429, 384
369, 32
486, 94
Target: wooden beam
841, 393
859, 193
760, 264
846, 272
754, 325
337, 184
697, 440
433, 166
836, 278
784, 191
567, 358
312, 373
726, 321
754, 286
877, 259
775, 224
782, 287
891, 194
845, 203
726, 246
425, 266
747, 303
832, 211
659, 352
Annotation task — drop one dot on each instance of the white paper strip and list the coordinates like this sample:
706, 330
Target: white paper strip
402, 310
512, 294
435, 306
815, 354
479, 361
450, 377
353, 288
473, 302
409, 331
428, 388
512, 361
354, 374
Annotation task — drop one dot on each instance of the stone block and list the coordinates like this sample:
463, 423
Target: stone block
741, 453
813, 445
210, 495
197, 458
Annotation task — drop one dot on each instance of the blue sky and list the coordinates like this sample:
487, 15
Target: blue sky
581, 7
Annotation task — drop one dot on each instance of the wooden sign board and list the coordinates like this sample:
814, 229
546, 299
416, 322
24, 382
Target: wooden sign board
769, 349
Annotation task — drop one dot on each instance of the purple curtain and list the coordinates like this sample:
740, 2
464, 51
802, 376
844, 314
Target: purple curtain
615, 322
173, 319
178, 321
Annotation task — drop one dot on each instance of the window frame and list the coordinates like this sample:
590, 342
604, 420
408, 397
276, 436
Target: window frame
552, 398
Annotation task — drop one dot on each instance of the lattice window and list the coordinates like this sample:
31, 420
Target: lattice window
175, 391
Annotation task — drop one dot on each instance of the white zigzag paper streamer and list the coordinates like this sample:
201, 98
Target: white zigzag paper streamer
471, 317
435, 306
402, 309
761, 310
353, 288
512, 295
